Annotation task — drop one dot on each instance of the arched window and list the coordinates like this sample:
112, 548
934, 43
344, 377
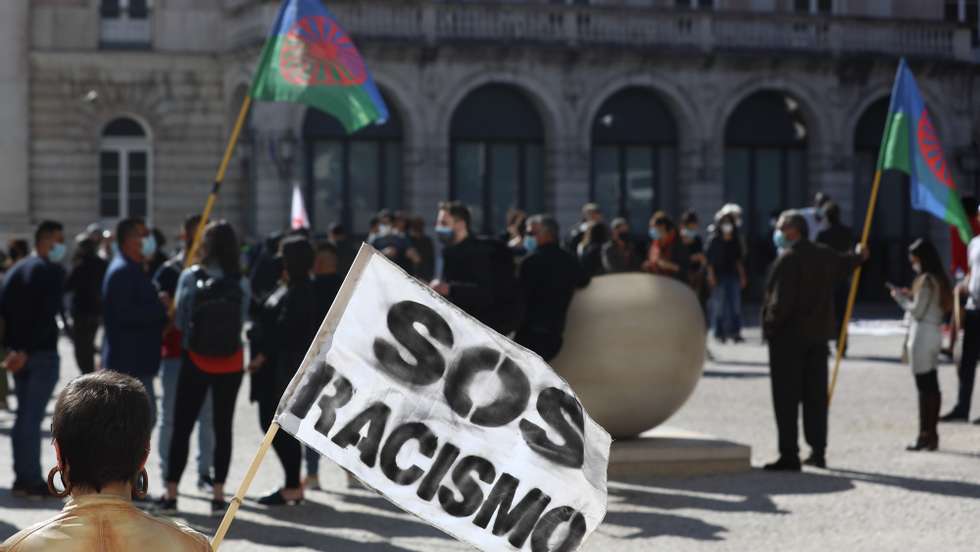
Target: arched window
895, 223
497, 155
125, 171
352, 177
765, 167
634, 157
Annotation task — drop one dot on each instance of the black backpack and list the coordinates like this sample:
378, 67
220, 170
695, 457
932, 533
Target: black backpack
215, 328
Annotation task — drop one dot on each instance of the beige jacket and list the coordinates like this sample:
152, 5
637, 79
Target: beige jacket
100, 523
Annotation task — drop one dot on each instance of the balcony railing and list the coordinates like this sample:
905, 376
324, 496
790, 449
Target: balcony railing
432, 22
126, 32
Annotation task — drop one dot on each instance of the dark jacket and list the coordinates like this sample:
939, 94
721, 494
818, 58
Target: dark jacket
30, 299
591, 259
838, 237
326, 287
85, 285
284, 330
134, 319
548, 278
426, 268
799, 299
480, 274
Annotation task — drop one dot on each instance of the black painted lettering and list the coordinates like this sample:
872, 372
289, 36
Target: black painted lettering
470, 490
517, 521
375, 417
430, 483
429, 364
401, 435
553, 404
549, 523
515, 389
330, 404
314, 381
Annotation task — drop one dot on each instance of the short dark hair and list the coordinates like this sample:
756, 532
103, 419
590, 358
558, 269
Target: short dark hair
337, 228
102, 424
127, 227
689, 217
547, 222
457, 210
661, 218
831, 212
18, 249
46, 228
297, 258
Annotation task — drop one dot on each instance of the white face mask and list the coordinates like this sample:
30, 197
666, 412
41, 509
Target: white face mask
727, 228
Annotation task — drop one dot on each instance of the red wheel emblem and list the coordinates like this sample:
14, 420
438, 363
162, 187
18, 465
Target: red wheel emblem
317, 52
932, 151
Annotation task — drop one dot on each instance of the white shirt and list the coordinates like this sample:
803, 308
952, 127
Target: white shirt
973, 285
814, 221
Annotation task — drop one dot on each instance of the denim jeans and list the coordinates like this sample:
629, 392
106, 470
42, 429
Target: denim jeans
727, 307
169, 372
35, 384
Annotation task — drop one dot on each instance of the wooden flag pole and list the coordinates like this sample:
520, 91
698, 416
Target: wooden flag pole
218, 181
236, 501
852, 296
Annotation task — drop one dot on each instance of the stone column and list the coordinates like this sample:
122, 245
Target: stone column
14, 118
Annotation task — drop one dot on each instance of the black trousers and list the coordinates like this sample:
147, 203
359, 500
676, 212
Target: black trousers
799, 375
546, 345
83, 330
968, 361
192, 389
288, 449
928, 382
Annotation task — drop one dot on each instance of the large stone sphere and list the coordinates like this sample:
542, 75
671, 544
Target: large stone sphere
634, 350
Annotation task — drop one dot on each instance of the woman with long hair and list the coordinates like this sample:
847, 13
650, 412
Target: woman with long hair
101, 431
211, 306
926, 304
590, 248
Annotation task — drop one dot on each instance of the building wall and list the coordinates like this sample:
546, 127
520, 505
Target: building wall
14, 89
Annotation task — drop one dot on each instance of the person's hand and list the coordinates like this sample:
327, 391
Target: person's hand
440, 287
256, 364
413, 256
14, 362
862, 252
391, 251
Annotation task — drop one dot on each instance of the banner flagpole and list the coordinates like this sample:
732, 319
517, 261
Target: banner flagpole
218, 181
855, 280
236, 501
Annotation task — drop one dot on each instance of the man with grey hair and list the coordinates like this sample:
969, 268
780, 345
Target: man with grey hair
549, 277
798, 320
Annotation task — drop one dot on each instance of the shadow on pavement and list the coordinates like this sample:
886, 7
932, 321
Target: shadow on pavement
721, 374
941, 487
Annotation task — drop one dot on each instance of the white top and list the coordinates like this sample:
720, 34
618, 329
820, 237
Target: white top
973, 286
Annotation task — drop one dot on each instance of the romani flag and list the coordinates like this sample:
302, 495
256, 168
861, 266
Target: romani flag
910, 145
309, 59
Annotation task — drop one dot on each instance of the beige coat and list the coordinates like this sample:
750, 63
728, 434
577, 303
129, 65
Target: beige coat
924, 313
104, 523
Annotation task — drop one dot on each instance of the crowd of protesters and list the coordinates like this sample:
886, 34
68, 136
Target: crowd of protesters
185, 322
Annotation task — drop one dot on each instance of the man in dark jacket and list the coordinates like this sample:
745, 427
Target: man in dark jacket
85, 285
29, 302
135, 315
840, 238
477, 274
798, 320
549, 277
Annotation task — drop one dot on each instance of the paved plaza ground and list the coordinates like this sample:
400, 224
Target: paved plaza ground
874, 496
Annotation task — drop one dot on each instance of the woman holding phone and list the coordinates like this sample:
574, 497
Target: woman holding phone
925, 305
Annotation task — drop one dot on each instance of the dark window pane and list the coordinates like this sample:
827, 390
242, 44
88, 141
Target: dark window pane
666, 180
497, 112
505, 176
123, 127
825, 6
109, 184
364, 181
109, 9
469, 168
109, 206
606, 186
328, 186
640, 191
137, 207
767, 118
634, 116
534, 191
393, 175
138, 9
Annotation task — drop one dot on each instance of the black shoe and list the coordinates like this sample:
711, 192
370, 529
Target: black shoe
205, 483
218, 508
954, 415
277, 499
164, 506
976, 422
817, 461
783, 464
35, 491
738, 339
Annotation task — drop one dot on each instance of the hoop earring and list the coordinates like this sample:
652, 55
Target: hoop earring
51, 488
141, 485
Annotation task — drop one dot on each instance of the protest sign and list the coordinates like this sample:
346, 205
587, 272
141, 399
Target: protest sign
448, 419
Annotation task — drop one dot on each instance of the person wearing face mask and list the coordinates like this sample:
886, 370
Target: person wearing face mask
668, 255
591, 213
29, 302
548, 277
726, 277
798, 321
135, 311
478, 274
925, 305
620, 254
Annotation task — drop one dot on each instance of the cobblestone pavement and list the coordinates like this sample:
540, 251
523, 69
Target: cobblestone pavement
875, 496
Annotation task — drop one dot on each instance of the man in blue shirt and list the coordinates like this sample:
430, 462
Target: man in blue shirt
29, 301
135, 314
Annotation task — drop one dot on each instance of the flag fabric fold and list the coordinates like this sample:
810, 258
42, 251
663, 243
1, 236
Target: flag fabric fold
911, 145
308, 58
297, 216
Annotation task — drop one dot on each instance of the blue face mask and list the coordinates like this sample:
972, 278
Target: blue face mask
780, 241
444, 233
530, 244
654, 234
57, 253
149, 246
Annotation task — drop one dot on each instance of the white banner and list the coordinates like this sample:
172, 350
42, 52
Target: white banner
448, 419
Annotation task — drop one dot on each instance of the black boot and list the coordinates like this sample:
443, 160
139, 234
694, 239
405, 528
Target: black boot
920, 442
929, 404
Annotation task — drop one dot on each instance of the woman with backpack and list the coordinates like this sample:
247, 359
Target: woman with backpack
930, 298
284, 328
211, 305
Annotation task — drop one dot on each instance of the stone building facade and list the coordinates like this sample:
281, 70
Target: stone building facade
544, 105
